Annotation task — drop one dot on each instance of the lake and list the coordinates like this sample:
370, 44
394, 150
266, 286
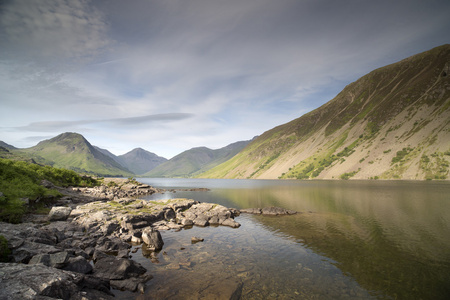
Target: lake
351, 240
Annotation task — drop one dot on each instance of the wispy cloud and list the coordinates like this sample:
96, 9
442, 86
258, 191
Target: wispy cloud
59, 126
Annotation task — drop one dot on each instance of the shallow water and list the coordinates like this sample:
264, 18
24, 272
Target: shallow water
353, 240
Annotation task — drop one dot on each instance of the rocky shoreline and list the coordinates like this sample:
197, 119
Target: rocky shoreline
81, 249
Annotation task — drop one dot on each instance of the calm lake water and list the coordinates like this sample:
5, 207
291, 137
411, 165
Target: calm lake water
352, 240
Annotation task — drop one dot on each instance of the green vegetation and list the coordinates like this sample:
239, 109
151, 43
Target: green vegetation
435, 166
401, 154
20, 183
346, 176
265, 164
4, 249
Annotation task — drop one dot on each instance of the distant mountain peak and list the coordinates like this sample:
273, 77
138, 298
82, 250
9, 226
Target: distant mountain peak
140, 161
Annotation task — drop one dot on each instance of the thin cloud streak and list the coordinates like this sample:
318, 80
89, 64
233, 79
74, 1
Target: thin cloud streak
58, 126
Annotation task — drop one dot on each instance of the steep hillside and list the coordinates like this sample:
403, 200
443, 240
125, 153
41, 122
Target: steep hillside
7, 146
140, 161
195, 160
73, 151
393, 123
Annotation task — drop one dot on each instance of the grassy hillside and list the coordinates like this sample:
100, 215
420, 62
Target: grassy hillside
194, 161
393, 123
73, 151
20, 179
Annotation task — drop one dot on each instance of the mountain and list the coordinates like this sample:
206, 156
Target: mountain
7, 146
393, 123
107, 153
72, 151
195, 160
140, 161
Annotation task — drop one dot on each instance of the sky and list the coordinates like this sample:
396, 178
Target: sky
170, 75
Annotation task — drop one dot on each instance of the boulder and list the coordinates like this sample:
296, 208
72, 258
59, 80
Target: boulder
186, 222
59, 213
113, 268
131, 284
26, 250
55, 260
169, 214
111, 245
231, 223
79, 265
152, 238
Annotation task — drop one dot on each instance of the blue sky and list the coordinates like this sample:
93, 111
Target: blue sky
171, 75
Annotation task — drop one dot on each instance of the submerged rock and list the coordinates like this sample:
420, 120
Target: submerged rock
269, 211
195, 240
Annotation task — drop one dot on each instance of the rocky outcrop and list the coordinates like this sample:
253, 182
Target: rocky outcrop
84, 250
204, 214
269, 211
118, 189
65, 250
21, 281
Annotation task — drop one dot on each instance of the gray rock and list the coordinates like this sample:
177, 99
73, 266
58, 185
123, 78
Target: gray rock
27, 250
79, 265
117, 268
169, 214
59, 213
134, 222
19, 281
214, 220
231, 223
256, 211
186, 222
201, 220
56, 260
181, 205
196, 239
152, 238
110, 227
275, 211
111, 245
131, 284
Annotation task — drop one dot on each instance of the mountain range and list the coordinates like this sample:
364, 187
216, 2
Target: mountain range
72, 151
196, 161
393, 123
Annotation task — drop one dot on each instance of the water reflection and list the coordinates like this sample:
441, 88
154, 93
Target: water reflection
391, 237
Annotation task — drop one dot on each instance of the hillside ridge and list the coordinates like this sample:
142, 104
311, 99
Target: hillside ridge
392, 123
